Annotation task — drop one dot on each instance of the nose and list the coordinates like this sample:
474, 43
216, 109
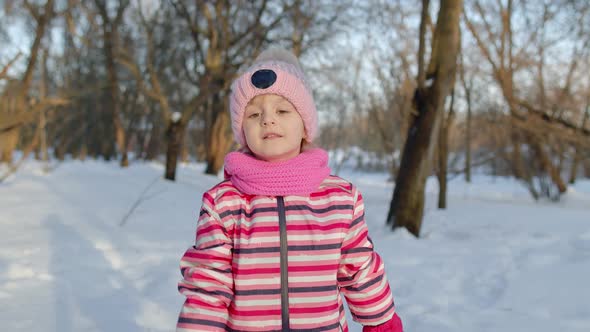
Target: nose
268, 119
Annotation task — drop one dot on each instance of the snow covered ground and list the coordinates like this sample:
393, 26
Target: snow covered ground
494, 261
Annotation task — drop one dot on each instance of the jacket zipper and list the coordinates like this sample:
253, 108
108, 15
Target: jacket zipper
284, 265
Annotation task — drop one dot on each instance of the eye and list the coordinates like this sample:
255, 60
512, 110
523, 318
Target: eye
283, 111
253, 115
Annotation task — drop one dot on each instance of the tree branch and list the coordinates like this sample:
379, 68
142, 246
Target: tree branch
4, 71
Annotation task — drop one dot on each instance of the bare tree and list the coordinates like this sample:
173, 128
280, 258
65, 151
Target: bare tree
227, 36
124, 73
110, 30
534, 122
223, 34
389, 51
467, 88
443, 151
14, 101
407, 204
43, 87
152, 82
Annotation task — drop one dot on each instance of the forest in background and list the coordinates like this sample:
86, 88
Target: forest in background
149, 80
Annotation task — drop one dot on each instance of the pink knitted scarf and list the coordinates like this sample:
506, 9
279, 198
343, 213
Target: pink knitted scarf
301, 175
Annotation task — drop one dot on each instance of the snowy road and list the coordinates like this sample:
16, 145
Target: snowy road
494, 261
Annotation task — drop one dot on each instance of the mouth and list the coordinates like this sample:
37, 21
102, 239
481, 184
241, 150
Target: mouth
271, 136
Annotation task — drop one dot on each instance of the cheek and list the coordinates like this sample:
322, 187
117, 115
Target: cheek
248, 124
248, 129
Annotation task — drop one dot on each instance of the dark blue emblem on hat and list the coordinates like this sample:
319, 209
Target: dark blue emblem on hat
263, 78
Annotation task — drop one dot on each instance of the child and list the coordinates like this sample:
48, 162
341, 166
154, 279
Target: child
280, 239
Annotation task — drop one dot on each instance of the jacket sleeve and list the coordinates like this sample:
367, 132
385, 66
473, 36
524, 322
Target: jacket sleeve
207, 276
361, 275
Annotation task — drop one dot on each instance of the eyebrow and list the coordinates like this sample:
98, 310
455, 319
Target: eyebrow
249, 110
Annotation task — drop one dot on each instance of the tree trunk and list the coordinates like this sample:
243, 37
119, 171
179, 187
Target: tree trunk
547, 165
59, 151
83, 152
443, 154
517, 161
587, 168
185, 154
113, 96
8, 142
577, 152
124, 159
26, 151
126, 142
467, 125
152, 146
174, 134
574, 168
561, 153
468, 146
442, 167
43, 137
407, 204
110, 38
107, 141
219, 143
42, 118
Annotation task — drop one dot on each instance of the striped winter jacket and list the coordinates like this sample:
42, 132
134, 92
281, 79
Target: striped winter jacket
232, 275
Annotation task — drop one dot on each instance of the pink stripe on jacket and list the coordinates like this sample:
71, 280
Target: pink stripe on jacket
232, 273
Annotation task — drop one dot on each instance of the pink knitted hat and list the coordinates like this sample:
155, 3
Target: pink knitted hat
275, 71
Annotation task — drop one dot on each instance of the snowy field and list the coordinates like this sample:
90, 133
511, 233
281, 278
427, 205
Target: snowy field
70, 260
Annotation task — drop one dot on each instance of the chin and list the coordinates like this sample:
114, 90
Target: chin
276, 155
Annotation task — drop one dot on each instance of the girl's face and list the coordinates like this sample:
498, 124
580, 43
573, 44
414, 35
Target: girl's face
273, 128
